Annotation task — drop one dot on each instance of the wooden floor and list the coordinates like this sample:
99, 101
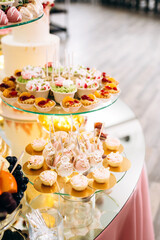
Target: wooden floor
127, 46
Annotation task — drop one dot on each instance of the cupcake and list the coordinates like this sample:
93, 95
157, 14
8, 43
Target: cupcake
26, 100
89, 101
38, 88
44, 105
35, 162
101, 175
112, 143
63, 88
70, 104
10, 96
48, 177
38, 144
81, 163
79, 182
114, 159
95, 158
64, 167
86, 86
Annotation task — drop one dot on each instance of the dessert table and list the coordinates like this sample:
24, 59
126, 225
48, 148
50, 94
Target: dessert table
123, 212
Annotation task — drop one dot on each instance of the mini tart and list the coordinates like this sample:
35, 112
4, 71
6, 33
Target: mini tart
111, 88
48, 177
79, 182
112, 143
35, 162
7, 93
18, 72
26, 98
38, 144
6, 85
107, 79
70, 102
114, 159
44, 103
103, 93
11, 78
101, 175
87, 100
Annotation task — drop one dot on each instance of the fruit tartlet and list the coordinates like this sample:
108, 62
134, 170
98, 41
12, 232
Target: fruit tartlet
70, 104
6, 85
89, 100
63, 88
48, 177
112, 143
11, 78
79, 182
18, 72
111, 88
10, 95
101, 175
43, 104
38, 87
86, 86
114, 159
107, 79
38, 144
35, 162
26, 100
103, 94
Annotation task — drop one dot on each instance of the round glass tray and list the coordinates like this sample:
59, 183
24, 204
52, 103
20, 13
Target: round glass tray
11, 25
58, 111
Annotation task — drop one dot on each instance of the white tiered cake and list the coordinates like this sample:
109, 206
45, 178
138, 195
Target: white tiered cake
28, 44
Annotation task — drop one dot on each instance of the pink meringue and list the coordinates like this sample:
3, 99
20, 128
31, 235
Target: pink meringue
14, 15
3, 18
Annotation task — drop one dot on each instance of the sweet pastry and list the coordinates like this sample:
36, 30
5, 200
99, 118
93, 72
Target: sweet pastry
35, 162
79, 182
6, 85
43, 104
38, 144
95, 158
86, 86
48, 177
114, 159
64, 167
103, 93
18, 72
111, 88
11, 78
112, 143
101, 175
3, 18
62, 88
70, 102
88, 100
10, 95
81, 163
14, 15
107, 79
26, 98
38, 87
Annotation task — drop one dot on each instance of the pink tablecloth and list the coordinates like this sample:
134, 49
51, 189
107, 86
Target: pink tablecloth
134, 221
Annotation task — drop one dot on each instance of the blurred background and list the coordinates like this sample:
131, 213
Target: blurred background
122, 38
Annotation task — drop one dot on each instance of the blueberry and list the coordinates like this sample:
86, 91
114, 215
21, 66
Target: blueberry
18, 167
25, 180
10, 168
23, 187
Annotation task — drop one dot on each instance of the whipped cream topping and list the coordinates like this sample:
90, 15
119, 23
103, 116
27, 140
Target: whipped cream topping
64, 167
81, 163
48, 176
95, 157
112, 141
39, 142
115, 157
101, 173
38, 85
29, 72
79, 180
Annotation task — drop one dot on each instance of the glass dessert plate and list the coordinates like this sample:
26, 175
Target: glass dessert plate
11, 25
58, 111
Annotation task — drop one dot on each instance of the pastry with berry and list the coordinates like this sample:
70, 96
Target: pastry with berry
70, 104
26, 100
89, 100
103, 94
43, 104
10, 95
112, 88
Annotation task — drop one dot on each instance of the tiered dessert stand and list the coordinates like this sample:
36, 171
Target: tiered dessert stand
86, 214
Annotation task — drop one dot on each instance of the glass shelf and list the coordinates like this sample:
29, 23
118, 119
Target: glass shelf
11, 25
58, 111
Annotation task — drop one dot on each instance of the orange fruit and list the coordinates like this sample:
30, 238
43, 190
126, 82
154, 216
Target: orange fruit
7, 182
